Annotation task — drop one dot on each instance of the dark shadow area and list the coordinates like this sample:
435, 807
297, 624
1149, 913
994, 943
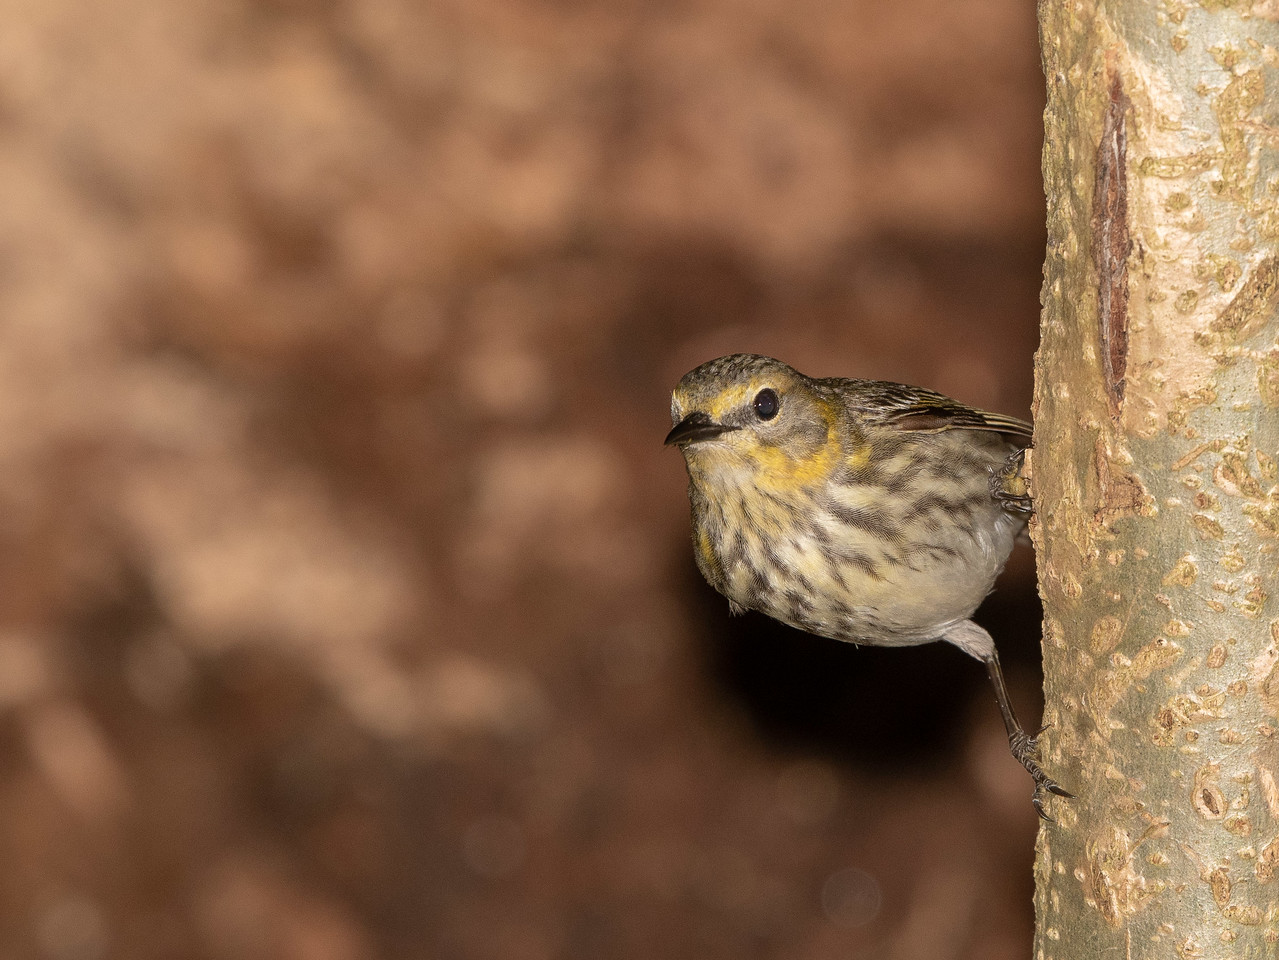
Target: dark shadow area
898, 710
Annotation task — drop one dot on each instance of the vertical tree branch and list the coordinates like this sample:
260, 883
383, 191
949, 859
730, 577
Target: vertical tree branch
1156, 485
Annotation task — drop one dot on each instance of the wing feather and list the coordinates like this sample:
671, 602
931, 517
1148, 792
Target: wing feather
926, 411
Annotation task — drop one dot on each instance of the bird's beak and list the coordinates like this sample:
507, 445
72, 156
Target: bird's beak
695, 428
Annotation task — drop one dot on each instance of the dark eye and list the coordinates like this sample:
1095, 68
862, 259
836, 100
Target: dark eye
766, 404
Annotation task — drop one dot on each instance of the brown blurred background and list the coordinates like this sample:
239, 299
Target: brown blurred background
348, 605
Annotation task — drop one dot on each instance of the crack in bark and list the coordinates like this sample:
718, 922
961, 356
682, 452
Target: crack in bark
1111, 243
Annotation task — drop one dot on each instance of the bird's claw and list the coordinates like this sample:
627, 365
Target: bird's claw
1008, 484
1024, 747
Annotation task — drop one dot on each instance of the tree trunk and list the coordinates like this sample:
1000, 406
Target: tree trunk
1155, 479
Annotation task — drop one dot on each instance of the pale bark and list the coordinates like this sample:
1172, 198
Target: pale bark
1155, 479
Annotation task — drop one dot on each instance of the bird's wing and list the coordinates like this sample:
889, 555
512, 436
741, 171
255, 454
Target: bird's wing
916, 409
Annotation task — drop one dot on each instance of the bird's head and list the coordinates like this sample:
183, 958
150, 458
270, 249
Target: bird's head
751, 413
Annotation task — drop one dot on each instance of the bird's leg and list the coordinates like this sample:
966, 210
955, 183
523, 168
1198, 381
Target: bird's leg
976, 642
1008, 484
1022, 745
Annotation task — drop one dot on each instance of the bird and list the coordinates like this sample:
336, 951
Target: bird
865, 511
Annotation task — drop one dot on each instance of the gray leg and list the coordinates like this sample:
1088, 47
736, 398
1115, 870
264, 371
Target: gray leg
976, 642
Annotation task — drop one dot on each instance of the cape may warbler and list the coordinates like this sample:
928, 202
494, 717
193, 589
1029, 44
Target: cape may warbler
859, 510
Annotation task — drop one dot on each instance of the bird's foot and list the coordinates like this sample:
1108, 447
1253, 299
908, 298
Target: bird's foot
1025, 747
1008, 484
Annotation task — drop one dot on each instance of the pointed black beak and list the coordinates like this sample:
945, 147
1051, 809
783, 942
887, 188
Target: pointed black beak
695, 428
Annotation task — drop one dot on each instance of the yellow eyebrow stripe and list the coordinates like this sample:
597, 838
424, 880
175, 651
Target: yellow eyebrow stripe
730, 400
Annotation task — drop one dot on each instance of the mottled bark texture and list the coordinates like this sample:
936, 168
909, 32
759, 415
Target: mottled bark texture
1155, 479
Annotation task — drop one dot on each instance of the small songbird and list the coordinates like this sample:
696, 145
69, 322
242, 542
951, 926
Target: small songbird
859, 510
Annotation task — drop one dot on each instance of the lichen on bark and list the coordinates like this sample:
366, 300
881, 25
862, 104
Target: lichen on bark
1155, 480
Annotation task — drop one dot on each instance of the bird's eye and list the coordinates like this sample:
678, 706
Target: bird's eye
766, 404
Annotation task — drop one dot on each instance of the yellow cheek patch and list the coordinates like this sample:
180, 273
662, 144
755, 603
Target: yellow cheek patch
781, 470
778, 471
